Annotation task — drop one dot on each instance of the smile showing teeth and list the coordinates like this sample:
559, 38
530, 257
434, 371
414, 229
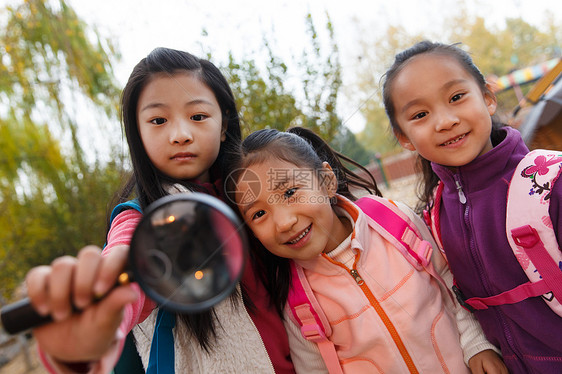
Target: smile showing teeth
454, 140
302, 235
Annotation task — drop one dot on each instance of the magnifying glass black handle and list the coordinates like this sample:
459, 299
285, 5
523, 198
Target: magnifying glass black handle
20, 316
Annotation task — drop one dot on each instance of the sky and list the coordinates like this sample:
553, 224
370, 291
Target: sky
138, 26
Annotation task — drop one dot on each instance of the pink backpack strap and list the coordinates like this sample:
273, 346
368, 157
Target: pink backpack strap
396, 227
515, 295
431, 216
309, 315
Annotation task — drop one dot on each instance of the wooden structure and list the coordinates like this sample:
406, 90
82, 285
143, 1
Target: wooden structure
539, 114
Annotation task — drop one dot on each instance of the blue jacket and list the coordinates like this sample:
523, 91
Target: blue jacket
528, 333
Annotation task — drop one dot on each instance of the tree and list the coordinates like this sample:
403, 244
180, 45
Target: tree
321, 83
346, 143
54, 187
278, 106
494, 50
52, 192
500, 51
376, 57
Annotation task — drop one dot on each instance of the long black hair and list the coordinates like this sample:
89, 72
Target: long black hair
303, 148
429, 179
146, 182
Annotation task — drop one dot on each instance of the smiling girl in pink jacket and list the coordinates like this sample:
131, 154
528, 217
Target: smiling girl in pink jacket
385, 316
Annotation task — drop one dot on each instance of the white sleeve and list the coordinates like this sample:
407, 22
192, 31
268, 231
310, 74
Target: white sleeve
472, 338
305, 355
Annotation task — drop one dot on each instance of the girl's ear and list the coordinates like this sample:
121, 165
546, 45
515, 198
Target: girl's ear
490, 99
328, 179
223, 133
404, 141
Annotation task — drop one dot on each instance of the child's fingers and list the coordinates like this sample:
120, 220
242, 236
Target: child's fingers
60, 287
112, 306
111, 266
494, 367
87, 268
91, 332
36, 282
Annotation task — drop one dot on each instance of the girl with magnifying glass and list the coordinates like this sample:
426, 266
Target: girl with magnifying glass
179, 116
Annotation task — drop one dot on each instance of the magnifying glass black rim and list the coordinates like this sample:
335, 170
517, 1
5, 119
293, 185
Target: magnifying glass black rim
222, 208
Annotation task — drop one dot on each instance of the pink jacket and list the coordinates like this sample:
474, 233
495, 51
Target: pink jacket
398, 321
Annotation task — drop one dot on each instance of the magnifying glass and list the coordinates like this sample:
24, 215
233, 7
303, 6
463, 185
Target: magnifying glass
187, 254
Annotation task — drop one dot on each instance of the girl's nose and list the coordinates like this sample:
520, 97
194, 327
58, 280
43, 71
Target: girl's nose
445, 120
180, 133
284, 219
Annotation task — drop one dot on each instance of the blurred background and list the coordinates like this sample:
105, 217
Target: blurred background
310, 63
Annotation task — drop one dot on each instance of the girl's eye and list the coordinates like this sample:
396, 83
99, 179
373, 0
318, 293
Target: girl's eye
159, 121
258, 214
456, 97
419, 115
290, 192
198, 117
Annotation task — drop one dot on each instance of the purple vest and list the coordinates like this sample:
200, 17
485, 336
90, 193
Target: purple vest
528, 333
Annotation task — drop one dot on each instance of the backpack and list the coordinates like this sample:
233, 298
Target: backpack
396, 227
529, 232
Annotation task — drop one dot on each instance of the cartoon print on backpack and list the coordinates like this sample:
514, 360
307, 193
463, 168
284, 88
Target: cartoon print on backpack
529, 207
543, 165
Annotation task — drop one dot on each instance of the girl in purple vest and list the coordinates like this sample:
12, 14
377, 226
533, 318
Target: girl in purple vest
440, 105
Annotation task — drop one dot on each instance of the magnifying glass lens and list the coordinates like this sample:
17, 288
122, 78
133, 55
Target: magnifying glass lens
187, 252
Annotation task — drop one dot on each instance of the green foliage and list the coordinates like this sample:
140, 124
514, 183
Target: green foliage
377, 136
262, 102
376, 57
277, 106
265, 101
346, 143
44, 44
52, 198
321, 83
500, 51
